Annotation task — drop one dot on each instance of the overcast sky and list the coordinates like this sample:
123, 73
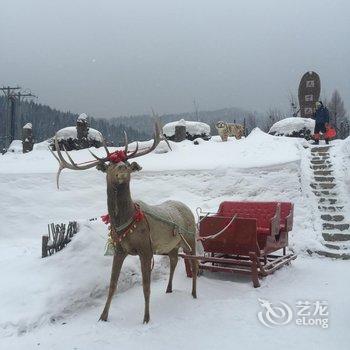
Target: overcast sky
111, 58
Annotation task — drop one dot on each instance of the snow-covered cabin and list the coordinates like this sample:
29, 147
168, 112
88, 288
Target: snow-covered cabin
193, 130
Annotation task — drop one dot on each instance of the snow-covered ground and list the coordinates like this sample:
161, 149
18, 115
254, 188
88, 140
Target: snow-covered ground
54, 303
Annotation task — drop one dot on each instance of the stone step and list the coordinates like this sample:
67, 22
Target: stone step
322, 186
337, 236
342, 255
340, 227
322, 172
321, 158
329, 217
324, 178
321, 166
320, 162
320, 193
320, 154
324, 200
330, 209
320, 149
335, 245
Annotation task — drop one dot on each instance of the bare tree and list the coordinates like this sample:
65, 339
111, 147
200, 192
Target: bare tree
294, 106
250, 123
272, 116
338, 117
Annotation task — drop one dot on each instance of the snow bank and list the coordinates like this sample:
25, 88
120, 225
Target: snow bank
340, 153
70, 132
346, 146
42, 146
54, 303
16, 146
257, 150
288, 126
63, 284
192, 128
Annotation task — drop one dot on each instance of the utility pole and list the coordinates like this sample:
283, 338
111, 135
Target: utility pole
13, 96
196, 109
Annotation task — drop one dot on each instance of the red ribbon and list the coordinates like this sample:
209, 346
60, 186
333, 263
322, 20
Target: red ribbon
106, 219
117, 156
138, 216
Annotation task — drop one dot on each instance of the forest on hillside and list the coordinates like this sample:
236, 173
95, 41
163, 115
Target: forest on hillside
46, 121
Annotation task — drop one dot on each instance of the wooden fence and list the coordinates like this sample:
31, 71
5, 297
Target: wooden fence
58, 237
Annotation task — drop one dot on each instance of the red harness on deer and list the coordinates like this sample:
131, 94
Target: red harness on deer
118, 235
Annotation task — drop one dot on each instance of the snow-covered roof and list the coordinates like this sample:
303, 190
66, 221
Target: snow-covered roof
193, 128
28, 126
70, 132
289, 125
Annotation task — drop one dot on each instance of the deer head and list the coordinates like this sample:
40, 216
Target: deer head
116, 165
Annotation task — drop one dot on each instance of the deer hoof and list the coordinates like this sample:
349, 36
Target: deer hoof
146, 319
103, 317
169, 290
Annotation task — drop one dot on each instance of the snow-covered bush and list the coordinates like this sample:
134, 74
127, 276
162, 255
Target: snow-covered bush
193, 130
294, 127
69, 138
78, 137
15, 146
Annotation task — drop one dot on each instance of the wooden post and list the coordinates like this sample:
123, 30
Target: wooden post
45, 240
82, 131
254, 269
27, 138
180, 133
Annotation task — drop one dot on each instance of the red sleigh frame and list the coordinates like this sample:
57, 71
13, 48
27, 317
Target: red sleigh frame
243, 237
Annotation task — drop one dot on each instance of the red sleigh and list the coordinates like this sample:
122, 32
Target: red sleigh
243, 237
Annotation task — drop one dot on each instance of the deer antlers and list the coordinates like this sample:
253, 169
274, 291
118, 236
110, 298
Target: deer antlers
111, 157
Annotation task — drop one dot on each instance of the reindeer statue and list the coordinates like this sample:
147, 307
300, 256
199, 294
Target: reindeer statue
135, 227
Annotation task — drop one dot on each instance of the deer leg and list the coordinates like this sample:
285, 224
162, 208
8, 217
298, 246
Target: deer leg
194, 267
194, 264
146, 261
118, 260
173, 256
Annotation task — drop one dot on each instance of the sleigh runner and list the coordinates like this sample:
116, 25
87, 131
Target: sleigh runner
244, 237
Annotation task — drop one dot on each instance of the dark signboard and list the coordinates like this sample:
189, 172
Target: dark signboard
309, 93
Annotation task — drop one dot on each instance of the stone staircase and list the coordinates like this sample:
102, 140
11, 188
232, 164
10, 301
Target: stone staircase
335, 228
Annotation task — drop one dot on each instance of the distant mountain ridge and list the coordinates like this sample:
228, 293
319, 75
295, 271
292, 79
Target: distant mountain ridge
231, 115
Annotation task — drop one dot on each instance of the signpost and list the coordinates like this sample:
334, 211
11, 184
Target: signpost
309, 93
